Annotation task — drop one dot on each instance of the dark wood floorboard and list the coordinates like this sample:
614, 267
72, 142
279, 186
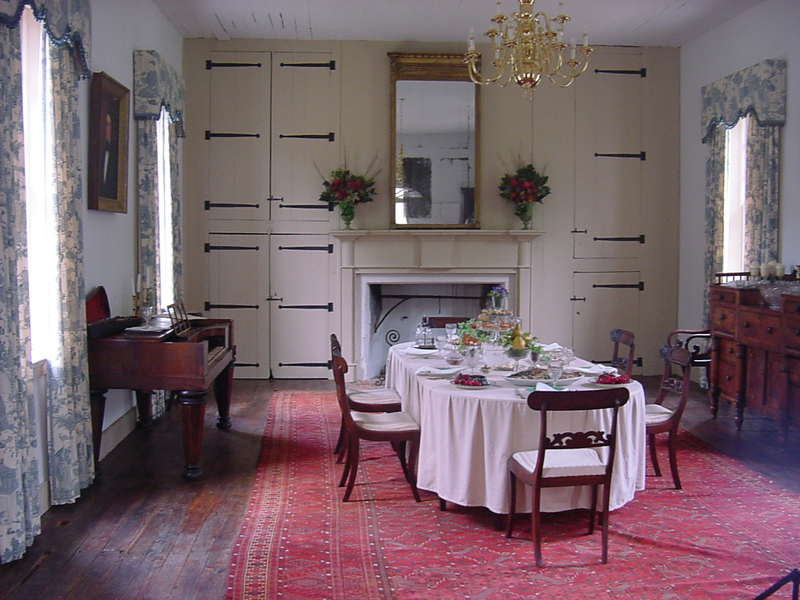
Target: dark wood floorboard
141, 532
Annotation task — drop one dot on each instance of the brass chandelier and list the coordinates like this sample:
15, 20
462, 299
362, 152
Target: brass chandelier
528, 46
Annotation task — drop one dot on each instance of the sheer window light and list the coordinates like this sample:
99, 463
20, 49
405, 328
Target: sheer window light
735, 190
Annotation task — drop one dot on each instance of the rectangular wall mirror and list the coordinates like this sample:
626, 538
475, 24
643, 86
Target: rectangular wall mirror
435, 138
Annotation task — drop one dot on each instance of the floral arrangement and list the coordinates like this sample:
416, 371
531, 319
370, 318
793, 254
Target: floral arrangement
523, 188
498, 291
347, 190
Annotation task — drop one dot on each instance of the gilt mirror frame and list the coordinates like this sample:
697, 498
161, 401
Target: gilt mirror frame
435, 68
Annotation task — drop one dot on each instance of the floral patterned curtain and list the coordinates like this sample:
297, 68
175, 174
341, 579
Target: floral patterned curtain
715, 202
68, 26
758, 91
70, 450
157, 85
19, 493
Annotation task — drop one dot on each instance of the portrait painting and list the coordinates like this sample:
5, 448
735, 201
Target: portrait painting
108, 144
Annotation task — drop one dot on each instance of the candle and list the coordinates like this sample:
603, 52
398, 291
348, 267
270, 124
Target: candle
585, 37
572, 48
471, 43
754, 269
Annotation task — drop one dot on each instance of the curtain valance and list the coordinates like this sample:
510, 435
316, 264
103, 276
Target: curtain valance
760, 90
67, 22
156, 84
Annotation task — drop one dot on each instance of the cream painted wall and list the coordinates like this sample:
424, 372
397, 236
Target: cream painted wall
110, 239
539, 130
769, 30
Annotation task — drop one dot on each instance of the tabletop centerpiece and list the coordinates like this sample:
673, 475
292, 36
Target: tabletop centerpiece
523, 188
347, 190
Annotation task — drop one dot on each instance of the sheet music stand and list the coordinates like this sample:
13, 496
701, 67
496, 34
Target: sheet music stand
178, 317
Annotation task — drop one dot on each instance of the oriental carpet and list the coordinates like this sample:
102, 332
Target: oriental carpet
730, 533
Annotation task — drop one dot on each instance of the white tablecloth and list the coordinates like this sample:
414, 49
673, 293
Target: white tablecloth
468, 435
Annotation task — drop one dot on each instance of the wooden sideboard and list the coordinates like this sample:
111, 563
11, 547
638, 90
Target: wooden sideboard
755, 354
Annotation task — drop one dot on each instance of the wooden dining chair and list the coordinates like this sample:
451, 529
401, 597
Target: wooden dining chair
568, 459
378, 400
622, 337
440, 322
698, 343
659, 418
398, 428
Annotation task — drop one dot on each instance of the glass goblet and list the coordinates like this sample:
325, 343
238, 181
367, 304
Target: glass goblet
472, 355
517, 355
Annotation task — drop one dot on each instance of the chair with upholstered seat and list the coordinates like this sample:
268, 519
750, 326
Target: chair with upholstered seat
398, 428
623, 363
379, 400
675, 382
568, 459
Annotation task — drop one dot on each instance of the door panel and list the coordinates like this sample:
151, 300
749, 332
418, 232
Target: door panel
306, 134
300, 310
238, 267
239, 136
609, 154
602, 302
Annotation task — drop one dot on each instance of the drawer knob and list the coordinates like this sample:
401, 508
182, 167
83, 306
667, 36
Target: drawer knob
797, 332
727, 377
722, 317
770, 330
746, 325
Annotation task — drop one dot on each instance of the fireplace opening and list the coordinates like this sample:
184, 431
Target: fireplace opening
396, 308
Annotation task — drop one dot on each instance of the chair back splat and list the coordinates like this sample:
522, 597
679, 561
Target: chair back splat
622, 362
569, 458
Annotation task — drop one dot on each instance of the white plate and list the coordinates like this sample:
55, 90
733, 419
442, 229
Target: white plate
438, 372
470, 387
533, 382
419, 351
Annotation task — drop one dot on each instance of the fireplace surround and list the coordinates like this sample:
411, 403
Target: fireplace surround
440, 264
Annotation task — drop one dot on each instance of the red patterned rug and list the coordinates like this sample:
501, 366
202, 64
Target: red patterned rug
729, 533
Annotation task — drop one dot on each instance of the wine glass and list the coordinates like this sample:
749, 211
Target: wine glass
555, 369
147, 314
442, 343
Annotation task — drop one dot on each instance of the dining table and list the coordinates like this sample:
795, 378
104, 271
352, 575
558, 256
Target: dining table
467, 435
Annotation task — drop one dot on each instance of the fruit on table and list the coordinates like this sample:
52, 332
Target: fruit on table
608, 378
471, 380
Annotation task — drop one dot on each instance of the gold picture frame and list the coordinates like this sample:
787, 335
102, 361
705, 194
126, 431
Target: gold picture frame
108, 144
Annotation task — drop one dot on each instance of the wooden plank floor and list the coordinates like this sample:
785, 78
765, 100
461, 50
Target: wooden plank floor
142, 532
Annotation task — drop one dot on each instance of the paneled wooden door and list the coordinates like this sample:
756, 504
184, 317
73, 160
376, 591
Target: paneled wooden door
238, 267
299, 306
238, 137
603, 301
305, 135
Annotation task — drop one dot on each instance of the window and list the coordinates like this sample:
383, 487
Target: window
166, 283
733, 244
38, 135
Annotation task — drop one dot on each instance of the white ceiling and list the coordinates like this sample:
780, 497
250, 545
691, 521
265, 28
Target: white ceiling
610, 22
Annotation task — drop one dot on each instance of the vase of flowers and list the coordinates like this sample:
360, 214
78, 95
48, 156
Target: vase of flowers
497, 297
523, 188
347, 190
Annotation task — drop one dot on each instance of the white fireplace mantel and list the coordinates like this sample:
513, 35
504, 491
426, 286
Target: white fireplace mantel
466, 255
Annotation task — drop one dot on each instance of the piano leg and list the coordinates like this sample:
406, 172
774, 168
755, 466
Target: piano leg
222, 393
97, 399
193, 410
144, 406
